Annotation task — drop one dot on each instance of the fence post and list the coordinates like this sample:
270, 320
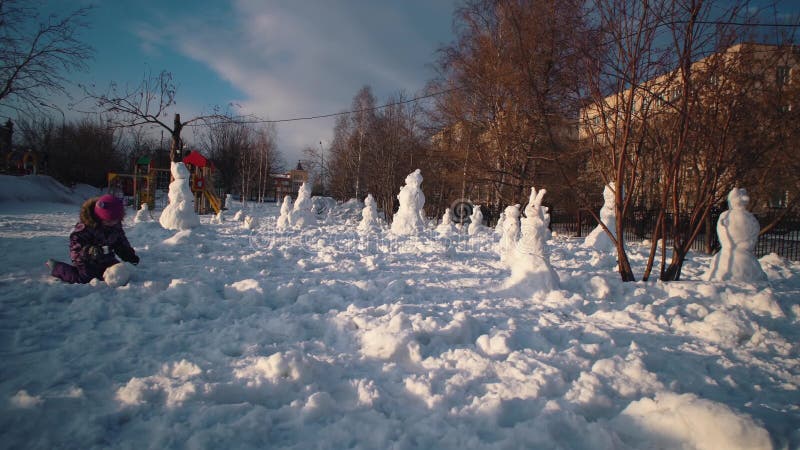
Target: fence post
578, 233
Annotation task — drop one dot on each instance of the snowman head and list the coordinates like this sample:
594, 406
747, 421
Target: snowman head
738, 198
414, 178
512, 212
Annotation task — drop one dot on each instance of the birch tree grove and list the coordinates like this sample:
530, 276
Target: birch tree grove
373, 149
246, 157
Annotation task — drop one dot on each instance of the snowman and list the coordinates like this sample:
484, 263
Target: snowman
738, 232
598, 239
286, 209
369, 216
530, 259
475, 221
446, 227
510, 231
410, 217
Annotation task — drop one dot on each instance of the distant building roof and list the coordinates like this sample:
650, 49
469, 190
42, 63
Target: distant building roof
299, 166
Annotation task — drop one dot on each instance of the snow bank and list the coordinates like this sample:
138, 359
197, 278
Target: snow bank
43, 188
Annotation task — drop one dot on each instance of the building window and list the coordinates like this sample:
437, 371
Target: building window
782, 75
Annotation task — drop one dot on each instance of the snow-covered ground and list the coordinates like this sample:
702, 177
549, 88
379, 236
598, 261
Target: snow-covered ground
229, 337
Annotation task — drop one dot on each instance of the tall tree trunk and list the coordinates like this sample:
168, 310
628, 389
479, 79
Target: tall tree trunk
176, 144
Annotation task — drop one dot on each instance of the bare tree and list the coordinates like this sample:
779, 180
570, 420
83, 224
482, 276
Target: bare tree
246, 157
37, 52
515, 65
149, 103
318, 168
87, 152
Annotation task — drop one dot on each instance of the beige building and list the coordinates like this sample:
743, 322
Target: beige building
759, 69
773, 65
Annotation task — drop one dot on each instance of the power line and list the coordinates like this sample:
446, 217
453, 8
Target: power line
323, 116
434, 94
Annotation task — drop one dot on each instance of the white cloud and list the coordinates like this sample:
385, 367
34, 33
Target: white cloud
295, 59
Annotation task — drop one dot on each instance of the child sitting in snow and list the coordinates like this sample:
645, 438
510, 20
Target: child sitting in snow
94, 242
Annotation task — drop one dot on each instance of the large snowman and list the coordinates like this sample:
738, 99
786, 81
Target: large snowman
530, 257
410, 217
179, 213
738, 231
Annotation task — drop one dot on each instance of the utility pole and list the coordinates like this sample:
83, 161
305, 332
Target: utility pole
322, 167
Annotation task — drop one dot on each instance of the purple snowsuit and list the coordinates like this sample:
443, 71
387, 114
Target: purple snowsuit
92, 247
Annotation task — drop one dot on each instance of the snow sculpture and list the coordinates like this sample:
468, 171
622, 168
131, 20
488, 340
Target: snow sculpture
498, 228
737, 230
410, 217
250, 223
475, 221
118, 275
530, 264
302, 215
143, 215
598, 239
239, 216
510, 231
369, 216
219, 218
447, 227
286, 209
179, 213
228, 201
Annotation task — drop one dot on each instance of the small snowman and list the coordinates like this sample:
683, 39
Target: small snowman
498, 228
369, 216
510, 231
598, 239
475, 221
446, 228
286, 209
737, 230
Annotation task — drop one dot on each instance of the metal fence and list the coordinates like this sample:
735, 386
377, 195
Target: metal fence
783, 239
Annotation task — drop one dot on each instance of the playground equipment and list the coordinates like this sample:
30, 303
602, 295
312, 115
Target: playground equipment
23, 163
141, 185
202, 170
146, 180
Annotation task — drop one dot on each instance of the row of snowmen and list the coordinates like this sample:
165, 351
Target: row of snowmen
522, 240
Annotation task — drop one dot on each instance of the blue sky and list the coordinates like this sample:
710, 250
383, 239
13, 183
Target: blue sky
276, 59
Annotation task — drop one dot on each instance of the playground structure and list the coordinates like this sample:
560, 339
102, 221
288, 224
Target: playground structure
147, 184
24, 163
202, 170
142, 185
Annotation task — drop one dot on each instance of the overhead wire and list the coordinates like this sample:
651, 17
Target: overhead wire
437, 93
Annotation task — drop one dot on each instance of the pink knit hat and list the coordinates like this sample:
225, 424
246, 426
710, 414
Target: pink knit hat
109, 208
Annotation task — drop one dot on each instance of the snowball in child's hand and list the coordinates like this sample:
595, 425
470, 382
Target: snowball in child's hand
118, 274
